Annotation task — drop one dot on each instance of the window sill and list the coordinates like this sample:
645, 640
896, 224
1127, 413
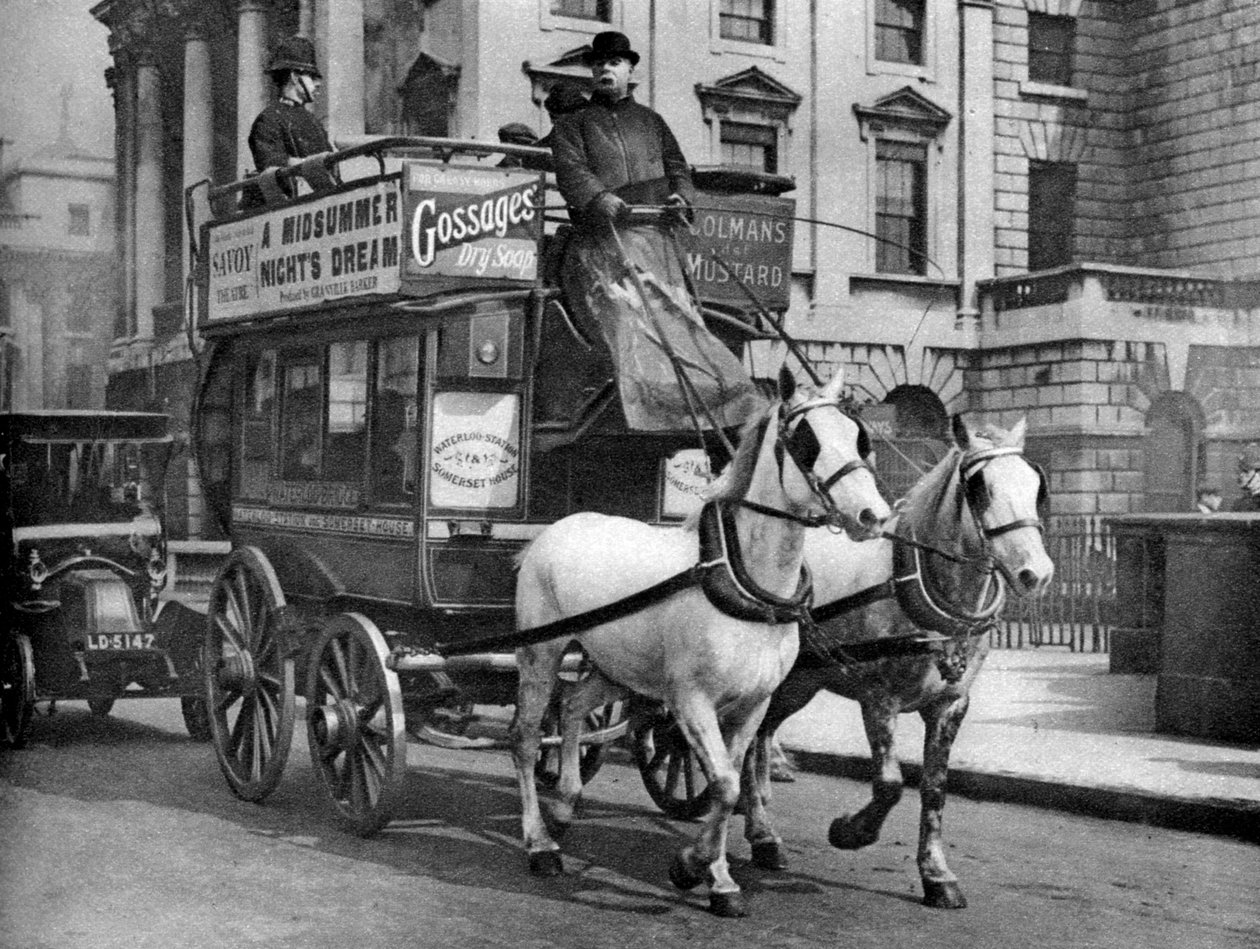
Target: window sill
573, 24
775, 51
875, 280
1045, 90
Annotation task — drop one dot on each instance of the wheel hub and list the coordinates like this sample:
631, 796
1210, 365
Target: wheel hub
334, 726
236, 673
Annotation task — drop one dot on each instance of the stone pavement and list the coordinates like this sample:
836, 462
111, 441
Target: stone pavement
1052, 728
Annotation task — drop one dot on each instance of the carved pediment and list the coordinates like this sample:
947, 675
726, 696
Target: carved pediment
426, 68
906, 108
751, 89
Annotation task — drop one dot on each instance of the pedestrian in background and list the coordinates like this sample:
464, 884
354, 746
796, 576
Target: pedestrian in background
1248, 480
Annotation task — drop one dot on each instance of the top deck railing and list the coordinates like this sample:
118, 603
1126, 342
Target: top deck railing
322, 171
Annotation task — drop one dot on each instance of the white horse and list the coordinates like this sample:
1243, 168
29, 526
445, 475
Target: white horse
797, 463
982, 507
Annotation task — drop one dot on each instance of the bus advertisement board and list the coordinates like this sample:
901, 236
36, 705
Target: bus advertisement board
752, 235
326, 248
472, 223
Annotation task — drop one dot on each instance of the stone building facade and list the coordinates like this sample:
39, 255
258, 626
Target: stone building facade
1040, 208
56, 286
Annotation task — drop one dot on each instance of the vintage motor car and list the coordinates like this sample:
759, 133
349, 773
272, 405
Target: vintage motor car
86, 562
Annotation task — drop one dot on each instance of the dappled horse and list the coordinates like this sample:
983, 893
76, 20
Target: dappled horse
902, 628
798, 463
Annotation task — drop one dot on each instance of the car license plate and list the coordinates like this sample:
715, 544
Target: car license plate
105, 641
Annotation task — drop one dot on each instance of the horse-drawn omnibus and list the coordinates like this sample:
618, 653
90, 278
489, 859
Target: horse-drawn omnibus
394, 400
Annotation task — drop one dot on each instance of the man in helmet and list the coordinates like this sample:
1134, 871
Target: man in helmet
285, 132
1248, 480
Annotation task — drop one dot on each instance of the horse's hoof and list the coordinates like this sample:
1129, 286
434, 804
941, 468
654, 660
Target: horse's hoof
768, 855
683, 875
546, 863
843, 836
943, 895
728, 905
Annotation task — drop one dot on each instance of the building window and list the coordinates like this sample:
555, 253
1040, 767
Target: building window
901, 207
1050, 42
1051, 206
746, 145
899, 31
751, 21
600, 10
80, 220
78, 387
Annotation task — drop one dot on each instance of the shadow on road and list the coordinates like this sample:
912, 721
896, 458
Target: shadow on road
456, 824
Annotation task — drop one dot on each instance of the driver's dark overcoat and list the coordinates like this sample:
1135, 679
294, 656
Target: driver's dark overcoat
623, 147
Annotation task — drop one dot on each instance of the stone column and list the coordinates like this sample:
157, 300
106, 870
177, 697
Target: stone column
339, 48
975, 151
149, 216
306, 18
252, 87
198, 112
119, 78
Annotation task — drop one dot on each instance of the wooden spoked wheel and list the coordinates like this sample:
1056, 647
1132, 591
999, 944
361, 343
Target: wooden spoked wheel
17, 688
670, 772
249, 677
602, 726
355, 722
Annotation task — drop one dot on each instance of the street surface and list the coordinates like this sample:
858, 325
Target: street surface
121, 832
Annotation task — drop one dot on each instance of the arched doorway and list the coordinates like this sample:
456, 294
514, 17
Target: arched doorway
918, 440
1173, 424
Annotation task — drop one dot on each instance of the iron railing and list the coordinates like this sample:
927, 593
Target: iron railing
1078, 608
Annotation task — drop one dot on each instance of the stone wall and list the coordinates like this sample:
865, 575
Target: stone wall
1085, 402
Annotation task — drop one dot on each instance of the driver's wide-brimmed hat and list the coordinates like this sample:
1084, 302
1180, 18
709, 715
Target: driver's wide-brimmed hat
610, 45
295, 54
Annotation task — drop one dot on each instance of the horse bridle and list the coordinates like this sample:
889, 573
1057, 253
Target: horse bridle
800, 443
976, 493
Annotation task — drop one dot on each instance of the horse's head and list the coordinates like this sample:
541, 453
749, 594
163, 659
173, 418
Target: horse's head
1008, 499
820, 452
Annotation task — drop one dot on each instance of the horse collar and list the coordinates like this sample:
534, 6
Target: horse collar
926, 608
725, 580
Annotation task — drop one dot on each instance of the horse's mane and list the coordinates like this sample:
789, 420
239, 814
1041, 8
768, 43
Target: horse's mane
928, 493
732, 484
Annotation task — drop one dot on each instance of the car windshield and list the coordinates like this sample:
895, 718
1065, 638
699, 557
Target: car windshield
54, 482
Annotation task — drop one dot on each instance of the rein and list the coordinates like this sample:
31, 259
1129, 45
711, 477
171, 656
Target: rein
917, 597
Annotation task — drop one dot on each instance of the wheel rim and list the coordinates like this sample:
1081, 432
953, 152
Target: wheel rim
17, 688
249, 681
355, 722
603, 725
670, 772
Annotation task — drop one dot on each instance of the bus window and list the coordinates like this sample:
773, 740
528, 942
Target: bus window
256, 422
394, 418
302, 393
347, 411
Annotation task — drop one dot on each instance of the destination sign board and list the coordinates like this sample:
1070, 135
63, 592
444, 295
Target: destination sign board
752, 234
471, 222
322, 249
